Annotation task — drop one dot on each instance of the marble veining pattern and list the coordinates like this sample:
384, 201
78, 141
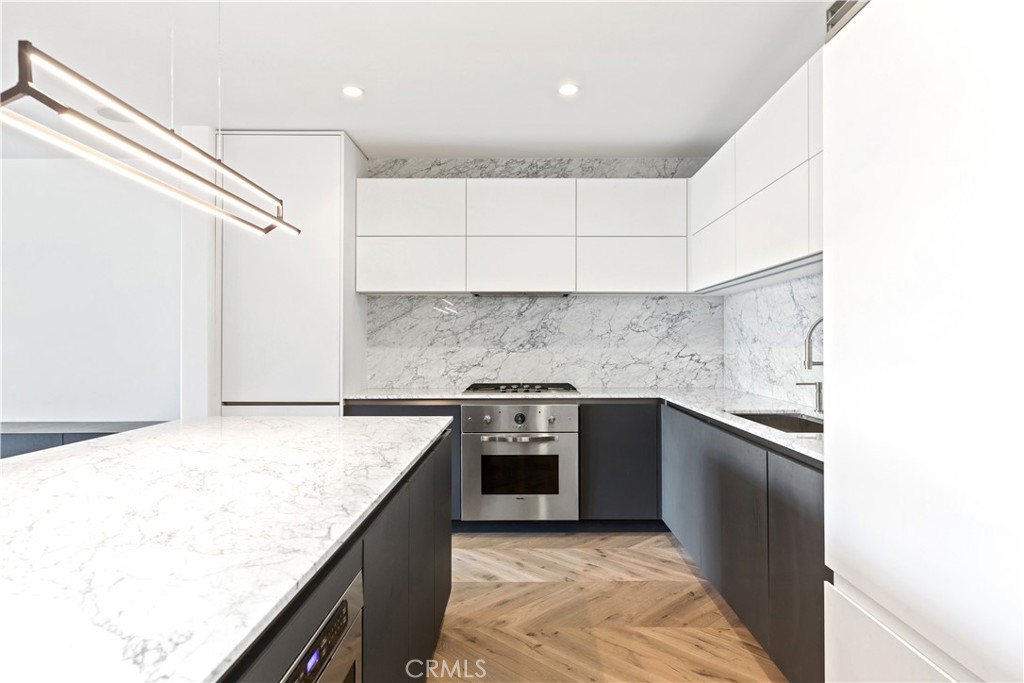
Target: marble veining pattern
161, 553
422, 342
677, 167
764, 339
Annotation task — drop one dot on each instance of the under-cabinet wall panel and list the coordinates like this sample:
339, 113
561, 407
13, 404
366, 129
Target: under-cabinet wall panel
281, 292
411, 206
631, 207
521, 264
631, 264
713, 253
411, 264
775, 139
772, 226
521, 206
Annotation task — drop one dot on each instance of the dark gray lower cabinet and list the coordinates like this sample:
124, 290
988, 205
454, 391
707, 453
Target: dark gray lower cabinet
386, 592
19, 444
796, 566
682, 481
422, 637
619, 461
442, 533
397, 408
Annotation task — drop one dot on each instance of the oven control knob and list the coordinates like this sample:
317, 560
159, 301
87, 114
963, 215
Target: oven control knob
487, 419
551, 420
519, 418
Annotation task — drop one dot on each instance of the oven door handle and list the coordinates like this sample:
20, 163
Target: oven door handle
518, 439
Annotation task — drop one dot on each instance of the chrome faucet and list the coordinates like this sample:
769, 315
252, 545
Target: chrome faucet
809, 361
819, 398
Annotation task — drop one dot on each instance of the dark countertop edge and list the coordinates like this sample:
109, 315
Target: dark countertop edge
11, 428
773, 446
355, 536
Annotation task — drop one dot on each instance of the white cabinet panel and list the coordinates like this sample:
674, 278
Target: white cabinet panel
815, 205
631, 207
713, 253
712, 190
521, 264
815, 101
631, 264
282, 293
772, 226
411, 264
858, 647
521, 207
410, 206
774, 140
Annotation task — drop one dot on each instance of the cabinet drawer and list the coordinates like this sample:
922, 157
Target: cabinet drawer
631, 207
410, 206
521, 207
411, 264
771, 227
711, 192
713, 253
521, 264
774, 140
631, 264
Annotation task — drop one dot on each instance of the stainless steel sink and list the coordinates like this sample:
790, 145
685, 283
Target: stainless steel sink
787, 422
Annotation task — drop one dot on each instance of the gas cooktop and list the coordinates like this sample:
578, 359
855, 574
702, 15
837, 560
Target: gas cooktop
520, 388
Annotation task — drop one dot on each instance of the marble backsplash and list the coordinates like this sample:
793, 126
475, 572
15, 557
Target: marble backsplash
676, 167
420, 342
764, 339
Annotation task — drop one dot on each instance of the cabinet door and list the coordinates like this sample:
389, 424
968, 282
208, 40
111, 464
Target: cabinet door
442, 528
774, 141
422, 636
772, 226
631, 264
281, 293
682, 491
796, 562
619, 461
386, 593
711, 192
521, 264
527, 207
713, 253
18, 444
410, 206
734, 553
631, 207
411, 264
815, 205
815, 102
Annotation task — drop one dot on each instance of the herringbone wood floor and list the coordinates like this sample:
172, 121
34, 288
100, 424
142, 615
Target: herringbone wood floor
542, 608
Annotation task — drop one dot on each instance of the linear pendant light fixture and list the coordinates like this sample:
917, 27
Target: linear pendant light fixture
253, 216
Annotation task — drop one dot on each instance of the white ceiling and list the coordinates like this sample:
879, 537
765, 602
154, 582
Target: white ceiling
463, 79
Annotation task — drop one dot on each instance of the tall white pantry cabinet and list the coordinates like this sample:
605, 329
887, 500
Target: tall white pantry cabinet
281, 293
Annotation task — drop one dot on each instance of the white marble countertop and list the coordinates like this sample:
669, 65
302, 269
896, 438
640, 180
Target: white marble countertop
161, 553
717, 404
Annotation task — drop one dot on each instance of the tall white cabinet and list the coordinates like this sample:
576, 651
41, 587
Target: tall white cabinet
281, 294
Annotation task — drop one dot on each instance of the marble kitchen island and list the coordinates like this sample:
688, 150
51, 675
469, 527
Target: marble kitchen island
161, 554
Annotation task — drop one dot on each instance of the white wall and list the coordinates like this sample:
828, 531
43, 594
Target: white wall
91, 295
923, 367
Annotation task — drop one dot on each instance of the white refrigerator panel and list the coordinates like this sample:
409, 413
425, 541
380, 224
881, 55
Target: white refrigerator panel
923, 367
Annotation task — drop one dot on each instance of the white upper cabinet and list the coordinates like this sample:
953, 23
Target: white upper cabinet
521, 264
631, 264
711, 192
631, 207
521, 207
772, 226
815, 204
775, 139
282, 293
411, 207
814, 104
410, 264
713, 253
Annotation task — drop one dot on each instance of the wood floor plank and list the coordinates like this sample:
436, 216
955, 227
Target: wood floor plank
540, 608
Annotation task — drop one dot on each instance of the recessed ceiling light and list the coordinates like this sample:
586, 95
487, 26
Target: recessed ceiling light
352, 91
568, 89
